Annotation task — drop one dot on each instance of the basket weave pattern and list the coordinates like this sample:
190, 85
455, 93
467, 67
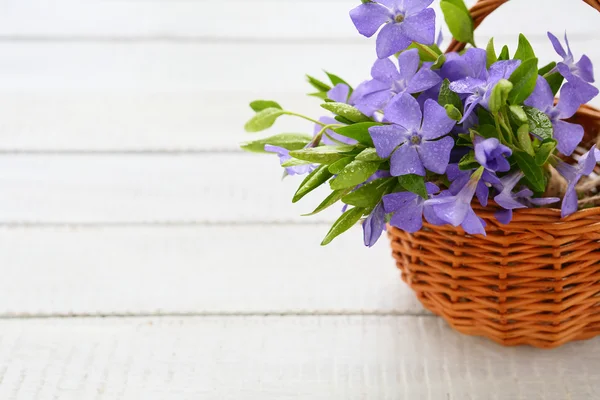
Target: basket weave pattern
535, 281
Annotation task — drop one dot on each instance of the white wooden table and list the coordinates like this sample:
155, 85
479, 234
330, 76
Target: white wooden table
143, 256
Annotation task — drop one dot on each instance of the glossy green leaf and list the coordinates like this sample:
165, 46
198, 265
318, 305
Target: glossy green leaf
354, 174
518, 114
447, 96
345, 222
555, 80
468, 162
491, 53
414, 184
453, 112
317, 84
547, 68
346, 111
524, 79
370, 194
499, 95
294, 162
524, 139
322, 155
315, 179
263, 119
358, 132
369, 154
544, 152
532, 171
504, 54
524, 51
333, 198
339, 165
289, 141
259, 105
539, 123
459, 21
336, 80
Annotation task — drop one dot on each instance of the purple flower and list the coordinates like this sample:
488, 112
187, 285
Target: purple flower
456, 210
480, 89
340, 94
406, 21
491, 154
407, 208
284, 155
522, 199
390, 81
573, 175
568, 135
374, 225
473, 63
415, 134
580, 74
460, 178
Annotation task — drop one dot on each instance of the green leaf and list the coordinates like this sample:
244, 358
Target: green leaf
491, 53
319, 95
289, 141
343, 120
499, 95
339, 165
504, 54
459, 20
354, 174
524, 79
524, 51
447, 96
547, 68
336, 80
539, 123
428, 53
346, 111
333, 198
315, 179
414, 184
358, 132
525, 139
345, 222
263, 119
259, 105
532, 171
468, 162
555, 81
518, 114
487, 131
369, 154
544, 152
317, 84
370, 194
321, 155
294, 162
453, 112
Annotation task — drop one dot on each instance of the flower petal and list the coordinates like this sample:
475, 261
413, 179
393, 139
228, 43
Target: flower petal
411, 7
374, 226
386, 71
568, 136
568, 103
557, 45
339, 93
502, 70
476, 59
406, 161
586, 69
404, 110
420, 27
570, 202
398, 201
368, 17
386, 138
482, 193
410, 218
466, 86
473, 225
423, 80
391, 40
408, 62
542, 97
436, 122
504, 216
435, 156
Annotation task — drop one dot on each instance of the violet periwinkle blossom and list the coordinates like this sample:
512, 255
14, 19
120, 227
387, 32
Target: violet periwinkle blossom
374, 225
573, 174
456, 210
411, 139
473, 63
479, 90
390, 81
284, 155
509, 200
491, 154
460, 178
580, 74
408, 208
340, 93
405, 21
568, 135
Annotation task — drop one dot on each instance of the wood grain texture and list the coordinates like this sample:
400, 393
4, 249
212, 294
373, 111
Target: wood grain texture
248, 20
196, 270
329, 358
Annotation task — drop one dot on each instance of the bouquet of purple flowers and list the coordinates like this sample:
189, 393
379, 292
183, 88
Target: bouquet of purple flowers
429, 131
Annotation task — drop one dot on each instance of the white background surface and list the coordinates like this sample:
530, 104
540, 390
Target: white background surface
144, 256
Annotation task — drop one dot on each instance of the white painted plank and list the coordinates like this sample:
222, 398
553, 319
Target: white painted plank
104, 97
250, 20
328, 358
197, 270
207, 188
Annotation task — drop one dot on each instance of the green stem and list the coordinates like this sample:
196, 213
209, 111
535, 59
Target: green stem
428, 50
293, 114
317, 139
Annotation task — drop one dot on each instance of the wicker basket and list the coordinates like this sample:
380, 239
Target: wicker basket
534, 282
